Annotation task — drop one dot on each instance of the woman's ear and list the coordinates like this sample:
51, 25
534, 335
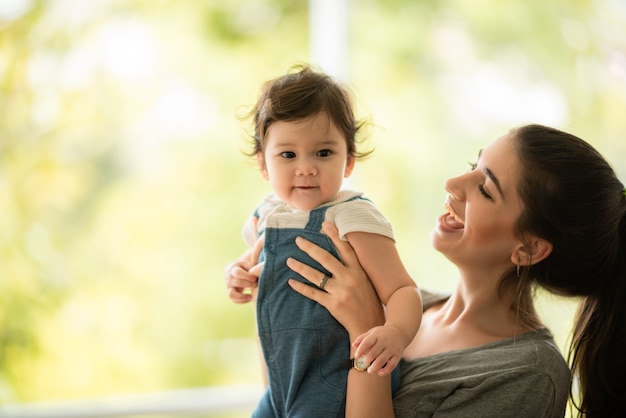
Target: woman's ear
262, 166
535, 250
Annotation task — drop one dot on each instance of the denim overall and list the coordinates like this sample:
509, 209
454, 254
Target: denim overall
306, 350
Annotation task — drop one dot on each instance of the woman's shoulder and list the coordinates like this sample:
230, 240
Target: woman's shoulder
489, 380
535, 350
531, 351
528, 353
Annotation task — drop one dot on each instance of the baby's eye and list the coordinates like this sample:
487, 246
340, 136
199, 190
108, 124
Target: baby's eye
288, 154
324, 153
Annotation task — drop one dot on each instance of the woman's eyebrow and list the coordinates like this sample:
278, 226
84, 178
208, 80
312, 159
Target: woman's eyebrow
492, 177
495, 181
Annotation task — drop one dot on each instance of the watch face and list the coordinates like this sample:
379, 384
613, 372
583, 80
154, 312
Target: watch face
361, 364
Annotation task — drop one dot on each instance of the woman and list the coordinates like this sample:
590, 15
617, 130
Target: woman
540, 207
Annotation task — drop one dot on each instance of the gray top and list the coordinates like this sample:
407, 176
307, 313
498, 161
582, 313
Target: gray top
524, 376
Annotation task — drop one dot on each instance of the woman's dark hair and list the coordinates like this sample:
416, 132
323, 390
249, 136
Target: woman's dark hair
573, 199
301, 94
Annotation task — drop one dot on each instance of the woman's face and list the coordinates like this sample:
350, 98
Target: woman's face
477, 232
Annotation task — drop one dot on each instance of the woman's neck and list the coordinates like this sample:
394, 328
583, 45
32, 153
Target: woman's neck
480, 307
472, 316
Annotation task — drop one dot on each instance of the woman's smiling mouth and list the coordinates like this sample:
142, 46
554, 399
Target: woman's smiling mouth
453, 220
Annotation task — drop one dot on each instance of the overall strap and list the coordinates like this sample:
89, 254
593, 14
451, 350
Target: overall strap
257, 215
317, 216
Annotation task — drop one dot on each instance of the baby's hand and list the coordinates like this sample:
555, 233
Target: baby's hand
382, 347
242, 275
242, 281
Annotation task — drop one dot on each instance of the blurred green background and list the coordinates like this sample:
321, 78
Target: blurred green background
123, 188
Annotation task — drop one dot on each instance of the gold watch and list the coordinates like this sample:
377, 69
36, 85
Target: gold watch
359, 364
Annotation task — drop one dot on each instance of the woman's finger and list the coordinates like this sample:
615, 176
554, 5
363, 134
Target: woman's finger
349, 296
310, 292
312, 275
320, 255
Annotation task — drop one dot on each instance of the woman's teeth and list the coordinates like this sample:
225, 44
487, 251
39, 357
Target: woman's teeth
453, 213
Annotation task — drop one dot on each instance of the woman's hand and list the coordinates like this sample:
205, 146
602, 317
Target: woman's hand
352, 300
349, 296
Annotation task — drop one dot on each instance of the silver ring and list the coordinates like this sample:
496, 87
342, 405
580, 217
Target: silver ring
324, 282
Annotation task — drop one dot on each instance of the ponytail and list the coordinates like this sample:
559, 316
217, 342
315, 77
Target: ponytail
598, 350
573, 199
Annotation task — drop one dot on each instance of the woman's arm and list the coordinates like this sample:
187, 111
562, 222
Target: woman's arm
352, 300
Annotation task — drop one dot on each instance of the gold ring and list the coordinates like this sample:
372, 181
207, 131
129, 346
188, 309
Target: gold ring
324, 282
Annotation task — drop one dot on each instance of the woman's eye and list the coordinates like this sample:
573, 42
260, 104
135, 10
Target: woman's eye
288, 154
481, 188
324, 153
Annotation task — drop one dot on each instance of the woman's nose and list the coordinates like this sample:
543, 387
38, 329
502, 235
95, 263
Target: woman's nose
455, 186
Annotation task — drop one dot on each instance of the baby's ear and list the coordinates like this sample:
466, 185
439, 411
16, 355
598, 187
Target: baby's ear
262, 166
349, 166
535, 250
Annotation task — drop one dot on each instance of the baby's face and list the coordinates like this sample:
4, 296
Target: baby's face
305, 161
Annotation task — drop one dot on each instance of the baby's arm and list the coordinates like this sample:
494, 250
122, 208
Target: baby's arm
242, 275
383, 345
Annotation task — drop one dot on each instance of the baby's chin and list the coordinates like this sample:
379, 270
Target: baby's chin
306, 198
